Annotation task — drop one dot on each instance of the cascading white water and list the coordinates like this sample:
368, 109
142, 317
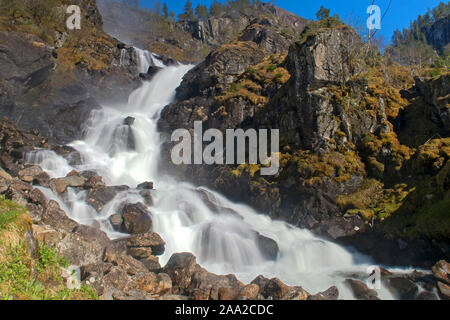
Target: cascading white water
222, 241
147, 59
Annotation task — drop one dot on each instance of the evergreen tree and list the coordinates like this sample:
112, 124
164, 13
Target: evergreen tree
216, 8
323, 13
165, 10
201, 11
188, 12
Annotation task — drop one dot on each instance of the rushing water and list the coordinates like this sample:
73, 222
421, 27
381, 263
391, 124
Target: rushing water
223, 242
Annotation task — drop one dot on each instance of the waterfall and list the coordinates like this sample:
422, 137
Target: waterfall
223, 240
147, 59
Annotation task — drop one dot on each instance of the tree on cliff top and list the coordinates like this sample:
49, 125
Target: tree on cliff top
323, 13
188, 12
201, 11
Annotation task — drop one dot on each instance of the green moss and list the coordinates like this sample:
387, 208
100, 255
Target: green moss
426, 211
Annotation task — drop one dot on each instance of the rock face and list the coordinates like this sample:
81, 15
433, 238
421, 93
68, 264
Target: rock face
438, 34
306, 106
189, 41
45, 86
303, 109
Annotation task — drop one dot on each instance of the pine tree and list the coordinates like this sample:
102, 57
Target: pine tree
165, 10
323, 13
201, 11
188, 11
216, 8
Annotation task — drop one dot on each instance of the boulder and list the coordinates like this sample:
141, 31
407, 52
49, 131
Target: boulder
34, 174
147, 196
180, 268
5, 175
427, 295
58, 185
248, 292
93, 182
152, 264
75, 180
145, 185
275, 289
140, 253
444, 290
151, 240
331, 293
129, 121
360, 290
116, 221
268, 247
441, 271
98, 197
403, 288
136, 219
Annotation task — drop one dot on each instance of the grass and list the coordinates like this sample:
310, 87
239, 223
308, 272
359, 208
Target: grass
23, 277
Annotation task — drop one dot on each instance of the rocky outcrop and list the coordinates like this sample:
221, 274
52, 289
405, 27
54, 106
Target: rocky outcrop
438, 33
305, 106
53, 85
190, 41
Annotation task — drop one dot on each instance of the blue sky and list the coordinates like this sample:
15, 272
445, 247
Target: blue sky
399, 15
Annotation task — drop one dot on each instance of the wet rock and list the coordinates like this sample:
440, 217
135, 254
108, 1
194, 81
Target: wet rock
180, 268
136, 219
331, 293
145, 185
261, 282
441, 271
152, 264
164, 284
93, 182
295, 293
72, 155
152, 71
268, 247
190, 279
34, 174
148, 199
55, 217
116, 221
5, 175
360, 290
129, 121
36, 196
58, 185
140, 253
150, 240
125, 262
426, 295
75, 180
248, 292
444, 290
403, 288
274, 288
16, 196
98, 197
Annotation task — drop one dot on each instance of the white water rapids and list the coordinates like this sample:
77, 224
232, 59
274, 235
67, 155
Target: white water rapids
222, 243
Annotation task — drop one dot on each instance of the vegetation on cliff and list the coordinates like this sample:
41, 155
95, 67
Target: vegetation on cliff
29, 269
